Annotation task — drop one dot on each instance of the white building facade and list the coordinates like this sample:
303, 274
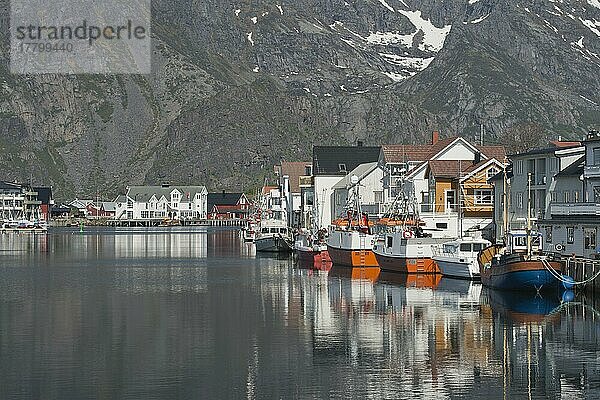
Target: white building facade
147, 203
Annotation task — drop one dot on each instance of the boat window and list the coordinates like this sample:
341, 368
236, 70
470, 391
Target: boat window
520, 241
282, 230
390, 241
465, 247
449, 248
477, 247
273, 230
264, 230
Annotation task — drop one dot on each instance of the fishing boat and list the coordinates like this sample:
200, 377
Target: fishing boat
402, 244
519, 263
458, 258
350, 238
273, 236
311, 248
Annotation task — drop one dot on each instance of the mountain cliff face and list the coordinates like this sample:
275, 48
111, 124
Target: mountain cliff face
238, 86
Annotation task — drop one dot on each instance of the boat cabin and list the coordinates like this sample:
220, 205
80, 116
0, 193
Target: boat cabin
266, 230
517, 241
464, 247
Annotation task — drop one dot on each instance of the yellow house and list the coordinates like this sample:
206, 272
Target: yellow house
465, 182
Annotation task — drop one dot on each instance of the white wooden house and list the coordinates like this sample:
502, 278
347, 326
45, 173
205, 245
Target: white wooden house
143, 203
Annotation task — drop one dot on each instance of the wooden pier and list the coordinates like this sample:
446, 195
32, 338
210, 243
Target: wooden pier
161, 223
583, 269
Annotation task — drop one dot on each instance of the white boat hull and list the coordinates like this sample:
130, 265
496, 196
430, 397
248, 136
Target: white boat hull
455, 268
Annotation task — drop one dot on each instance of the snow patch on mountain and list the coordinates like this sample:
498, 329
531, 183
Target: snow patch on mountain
433, 37
386, 5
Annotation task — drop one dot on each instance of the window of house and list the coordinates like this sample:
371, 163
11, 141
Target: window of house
308, 170
596, 156
596, 194
491, 173
144, 214
567, 197
570, 234
531, 168
589, 235
553, 197
378, 196
129, 203
519, 167
483, 196
548, 234
390, 241
342, 167
520, 200
575, 196
129, 214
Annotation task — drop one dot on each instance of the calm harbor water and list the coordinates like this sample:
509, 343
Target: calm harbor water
195, 314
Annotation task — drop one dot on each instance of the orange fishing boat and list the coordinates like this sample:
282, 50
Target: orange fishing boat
350, 241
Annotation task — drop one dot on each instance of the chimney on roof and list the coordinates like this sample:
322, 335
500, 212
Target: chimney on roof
435, 137
359, 143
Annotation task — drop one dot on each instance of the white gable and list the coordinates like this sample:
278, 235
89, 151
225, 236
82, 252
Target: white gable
457, 150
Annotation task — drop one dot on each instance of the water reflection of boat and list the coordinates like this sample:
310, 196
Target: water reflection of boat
467, 293
523, 307
365, 273
420, 281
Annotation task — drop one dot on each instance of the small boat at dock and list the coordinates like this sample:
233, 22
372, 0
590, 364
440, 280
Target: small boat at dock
311, 249
458, 258
273, 236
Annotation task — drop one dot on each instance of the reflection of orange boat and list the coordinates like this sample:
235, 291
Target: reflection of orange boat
365, 273
318, 262
420, 281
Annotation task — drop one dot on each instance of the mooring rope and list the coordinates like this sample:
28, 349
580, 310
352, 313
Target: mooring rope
561, 278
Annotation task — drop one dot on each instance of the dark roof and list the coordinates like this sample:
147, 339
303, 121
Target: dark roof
44, 194
552, 147
9, 185
222, 199
327, 159
575, 169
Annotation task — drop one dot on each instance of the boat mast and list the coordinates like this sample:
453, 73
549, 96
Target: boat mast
505, 204
528, 214
460, 221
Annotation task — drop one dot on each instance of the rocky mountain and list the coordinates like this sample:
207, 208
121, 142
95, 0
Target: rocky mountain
239, 85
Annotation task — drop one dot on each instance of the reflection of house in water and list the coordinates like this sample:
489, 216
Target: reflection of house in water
161, 244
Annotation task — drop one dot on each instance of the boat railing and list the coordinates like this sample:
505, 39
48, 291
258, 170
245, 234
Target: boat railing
486, 255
